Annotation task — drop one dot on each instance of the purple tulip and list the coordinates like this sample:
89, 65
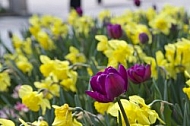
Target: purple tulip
114, 30
143, 37
79, 11
139, 73
108, 84
137, 2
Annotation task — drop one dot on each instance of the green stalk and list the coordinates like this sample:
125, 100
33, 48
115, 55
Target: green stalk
123, 112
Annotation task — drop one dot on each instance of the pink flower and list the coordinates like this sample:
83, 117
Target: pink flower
21, 107
15, 91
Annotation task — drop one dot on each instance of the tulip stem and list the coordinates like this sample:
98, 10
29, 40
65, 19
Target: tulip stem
123, 112
146, 89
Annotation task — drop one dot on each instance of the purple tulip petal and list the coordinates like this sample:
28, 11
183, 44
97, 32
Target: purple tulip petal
101, 82
94, 84
111, 70
139, 73
123, 73
98, 97
137, 77
147, 72
115, 85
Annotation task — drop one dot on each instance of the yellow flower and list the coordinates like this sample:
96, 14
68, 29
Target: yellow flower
177, 55
150, 14
186, 90
158, 62
73, 16
34, 30
32, 99
104, 14
49, 86
46, 20
4, 81
125, 18
20, 44
69, 83
40, 122
75, 56
137, 111
175, 12
45, 41
23, 64
63, 116
133, 30
34, 20
55, 67
17, 42
118, 52
58, 28
103, 42
102, 107
61, 70
6, 122
47, 65
83, 25
162, 23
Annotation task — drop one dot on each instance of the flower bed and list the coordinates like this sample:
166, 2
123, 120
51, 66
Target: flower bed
127, 69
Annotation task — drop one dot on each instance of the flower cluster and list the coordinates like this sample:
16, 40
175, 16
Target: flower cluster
126, 69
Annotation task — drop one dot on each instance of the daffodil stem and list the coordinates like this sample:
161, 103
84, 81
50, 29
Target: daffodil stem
123, 112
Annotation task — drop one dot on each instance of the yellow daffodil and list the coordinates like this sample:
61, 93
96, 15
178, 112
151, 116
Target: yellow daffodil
58, 28
133, 31
32, 99
46, 20
103, 42
102, 107
61, 70
40, 122
118, 52
137, 111
162, 23
45, 41
56, 67
63, 116
73, 16
75, 56
150, 14
126, 18
23, 64
20, 44
6, 122
186, 90
104, 14
49, 86
4, 80
34, 20
69, 83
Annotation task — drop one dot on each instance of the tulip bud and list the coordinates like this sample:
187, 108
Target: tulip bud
114, 31
137, 2
108, 84
79, 11
143, 37
139, 73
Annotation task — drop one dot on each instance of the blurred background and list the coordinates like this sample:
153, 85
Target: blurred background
14, 14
